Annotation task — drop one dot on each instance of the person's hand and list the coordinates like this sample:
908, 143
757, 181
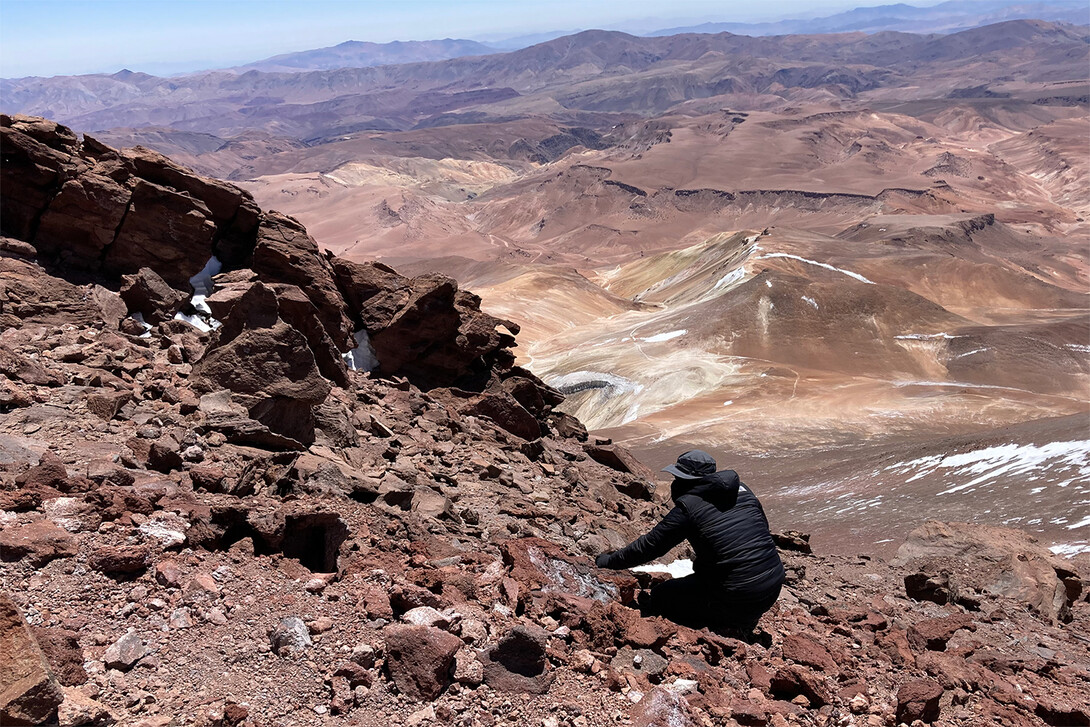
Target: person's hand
601, 560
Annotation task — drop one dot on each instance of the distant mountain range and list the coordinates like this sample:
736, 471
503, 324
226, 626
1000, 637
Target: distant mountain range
361, 54
947, 17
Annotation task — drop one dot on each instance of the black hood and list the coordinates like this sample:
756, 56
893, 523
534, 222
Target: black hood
720, 488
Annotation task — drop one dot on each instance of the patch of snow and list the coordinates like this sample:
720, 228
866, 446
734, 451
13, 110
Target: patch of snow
1006, 459
971, 353
768, 282
362, 357
849, 273
924, 336
811, 301
1070, 550
202, 281
202, 288
733, 276
1079, 347
1080, 524
139, 318
197, 322
728, 403
677, 569
658, 338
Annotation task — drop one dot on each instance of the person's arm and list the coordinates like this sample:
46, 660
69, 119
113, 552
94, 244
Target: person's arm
663, 537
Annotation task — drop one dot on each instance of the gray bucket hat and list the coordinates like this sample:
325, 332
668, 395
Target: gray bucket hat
693, 465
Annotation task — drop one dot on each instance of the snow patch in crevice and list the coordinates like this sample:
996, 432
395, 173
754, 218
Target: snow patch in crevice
362, 357
139, 318
811, 301
203, 287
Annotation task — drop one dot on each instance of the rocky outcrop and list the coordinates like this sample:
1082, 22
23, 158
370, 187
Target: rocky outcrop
959, 562
134, 220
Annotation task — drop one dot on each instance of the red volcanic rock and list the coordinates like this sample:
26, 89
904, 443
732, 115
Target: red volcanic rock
285, 253
29, 692
425, 327
540, 565
933, 633
148, 294
517, 663
165, 230
663, 707
30, 297
49, 472
805, 650
32, 171
38, 542
420, 660
790, 681
507, 413
375, 291
266, 364
124, 561
918, 700
27, 370
612, 624
992, 560
62, 650
82, 220
106, 404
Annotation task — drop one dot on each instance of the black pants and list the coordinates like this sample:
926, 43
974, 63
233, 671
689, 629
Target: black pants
694, 602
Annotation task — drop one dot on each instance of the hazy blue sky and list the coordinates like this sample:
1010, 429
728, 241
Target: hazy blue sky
61, 37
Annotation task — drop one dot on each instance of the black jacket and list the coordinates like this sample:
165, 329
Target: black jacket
727, 528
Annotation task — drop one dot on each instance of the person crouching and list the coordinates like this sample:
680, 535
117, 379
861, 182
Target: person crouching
737, 571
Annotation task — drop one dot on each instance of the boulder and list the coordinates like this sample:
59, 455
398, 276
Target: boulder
517, 662
39, 542
146, 293
506, 412
425, 328
79, 710
420, 660
32, 171
62, 650
931, 634
126, 561
810, 652
82, 219
125, 652
285, 253
619, 458
29, 692
918, 700
639, 661
106, 404
290, 633
993, 561
664, 707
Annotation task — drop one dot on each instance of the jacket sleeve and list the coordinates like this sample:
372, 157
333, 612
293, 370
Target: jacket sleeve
663, 537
